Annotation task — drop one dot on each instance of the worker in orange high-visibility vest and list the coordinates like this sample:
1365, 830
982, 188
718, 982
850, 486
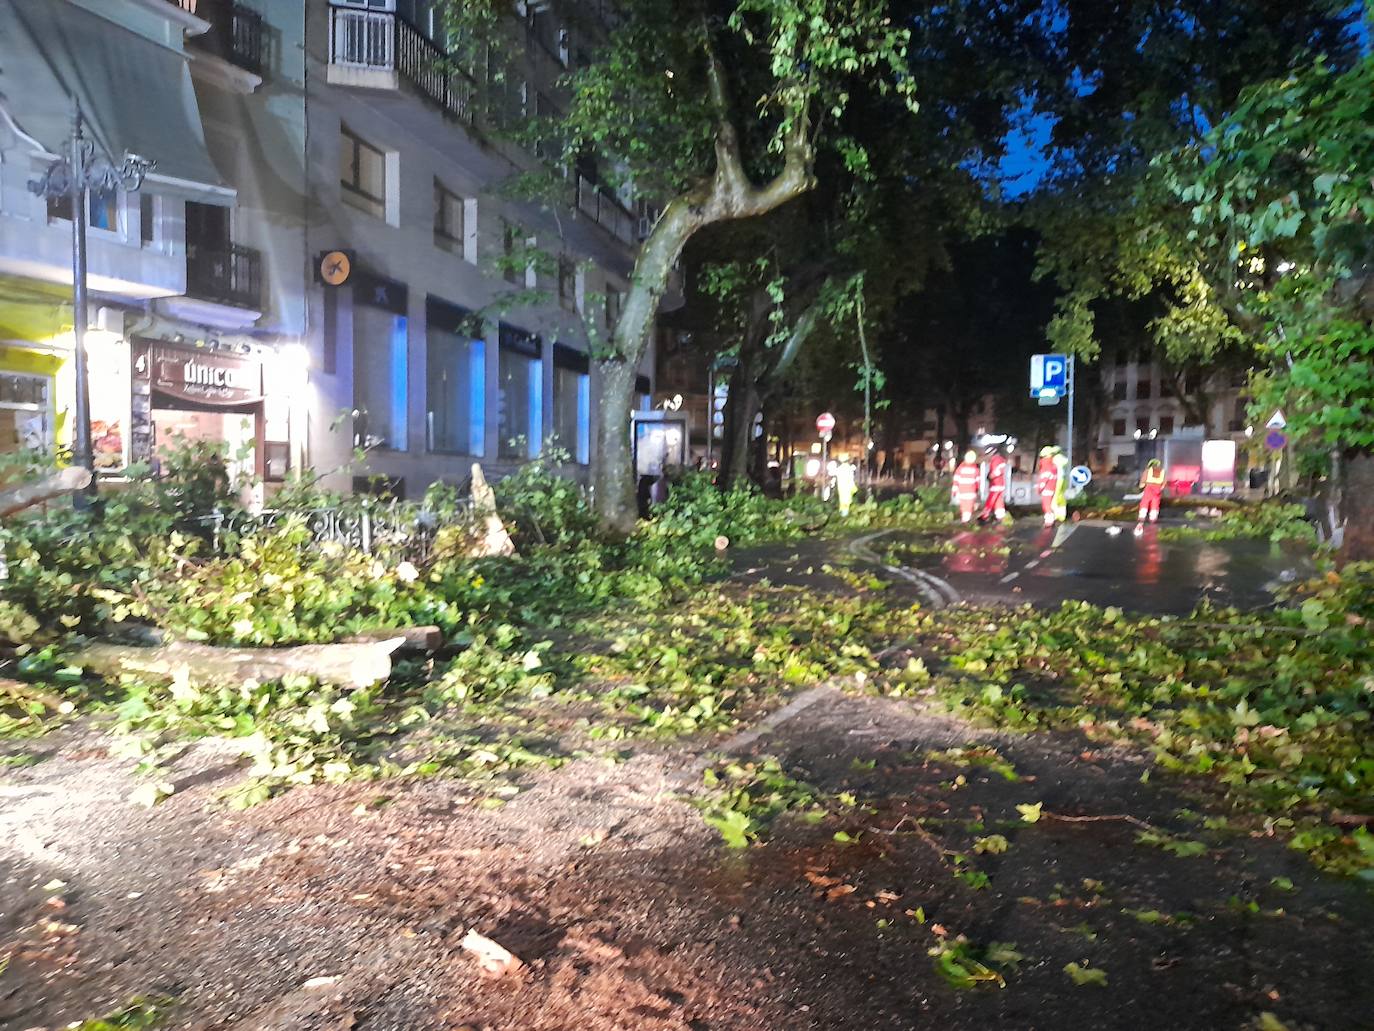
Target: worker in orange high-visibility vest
1047, 473
996, 505
1151, 490
965, 490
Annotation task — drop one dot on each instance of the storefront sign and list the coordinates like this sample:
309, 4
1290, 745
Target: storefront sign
199, 376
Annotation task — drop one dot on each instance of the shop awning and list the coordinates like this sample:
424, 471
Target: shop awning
135, 94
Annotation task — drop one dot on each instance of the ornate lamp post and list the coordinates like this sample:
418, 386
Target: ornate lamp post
73, 177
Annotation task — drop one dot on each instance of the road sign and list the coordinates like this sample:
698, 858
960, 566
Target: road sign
1276, 440
825, 423
1080, 476
1049, 376
1277, 421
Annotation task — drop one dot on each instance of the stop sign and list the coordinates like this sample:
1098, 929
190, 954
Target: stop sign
825, 422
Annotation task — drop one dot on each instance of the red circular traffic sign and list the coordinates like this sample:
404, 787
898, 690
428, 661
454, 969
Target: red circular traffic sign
825, 422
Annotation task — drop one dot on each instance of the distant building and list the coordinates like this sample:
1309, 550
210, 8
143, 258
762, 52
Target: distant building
1144, 400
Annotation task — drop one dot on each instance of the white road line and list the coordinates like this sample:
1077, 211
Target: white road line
934, 590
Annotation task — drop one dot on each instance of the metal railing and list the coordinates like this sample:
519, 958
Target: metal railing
229, 275
392, 531
384, 40
245, 38
603, 208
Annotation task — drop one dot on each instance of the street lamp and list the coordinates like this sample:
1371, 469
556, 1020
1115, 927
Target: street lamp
73, 177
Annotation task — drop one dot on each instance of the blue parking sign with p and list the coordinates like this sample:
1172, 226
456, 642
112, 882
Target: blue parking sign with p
1049, 375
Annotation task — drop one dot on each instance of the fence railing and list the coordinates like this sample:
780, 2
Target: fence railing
384, 40
390, 531
594, 201
231, 275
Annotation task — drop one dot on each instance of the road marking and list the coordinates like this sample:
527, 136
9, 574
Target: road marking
1008, 578
936, 591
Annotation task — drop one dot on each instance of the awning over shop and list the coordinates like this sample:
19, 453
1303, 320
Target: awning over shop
33, 312
135, 95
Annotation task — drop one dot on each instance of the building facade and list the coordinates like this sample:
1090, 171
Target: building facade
361, 298
1147, 401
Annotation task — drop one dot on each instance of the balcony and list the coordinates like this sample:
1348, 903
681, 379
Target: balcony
378, 49
229, 275
603, 208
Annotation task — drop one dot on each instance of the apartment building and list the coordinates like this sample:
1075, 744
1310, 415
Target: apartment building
1146, 400
360, 281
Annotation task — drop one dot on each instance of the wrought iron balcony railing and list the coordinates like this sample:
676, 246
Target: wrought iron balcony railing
227, 275
384, 41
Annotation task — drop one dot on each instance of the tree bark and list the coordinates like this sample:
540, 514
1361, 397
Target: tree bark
729, 194
1357, 492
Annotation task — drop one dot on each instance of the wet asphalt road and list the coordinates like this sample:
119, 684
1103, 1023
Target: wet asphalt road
1106, 564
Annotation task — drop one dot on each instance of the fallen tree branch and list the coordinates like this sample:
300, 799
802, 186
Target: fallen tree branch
1108, 818
350, 665
28, 693
64, 481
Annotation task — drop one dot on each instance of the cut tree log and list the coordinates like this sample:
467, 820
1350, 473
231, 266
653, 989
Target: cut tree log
351, 665
413, 638
64, 481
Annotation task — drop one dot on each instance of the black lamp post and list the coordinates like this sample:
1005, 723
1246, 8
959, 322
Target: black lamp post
73, 177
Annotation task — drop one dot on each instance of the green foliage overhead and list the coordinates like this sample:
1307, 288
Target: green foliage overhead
1281, 196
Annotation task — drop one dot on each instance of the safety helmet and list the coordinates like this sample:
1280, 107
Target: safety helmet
970, 456
1046, 451
1154, 463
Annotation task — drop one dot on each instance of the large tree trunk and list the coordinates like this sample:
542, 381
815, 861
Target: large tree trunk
1358, 495
730, 194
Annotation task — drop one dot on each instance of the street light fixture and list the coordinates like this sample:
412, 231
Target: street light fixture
73, 177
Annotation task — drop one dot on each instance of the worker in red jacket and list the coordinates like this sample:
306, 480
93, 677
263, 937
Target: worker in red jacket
1047, 473
965, 491
998, 471
1151, 490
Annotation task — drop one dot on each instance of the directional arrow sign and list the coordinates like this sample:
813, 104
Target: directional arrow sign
1080, 476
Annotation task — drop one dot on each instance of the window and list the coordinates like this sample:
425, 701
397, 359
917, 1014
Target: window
1118, 427
103, 209
567, 284
362, 173
448, 219
456, 377
1142, 425
520, 402
379, 378
1166, 425
26, 417
1166, 387
572, 403
613, 303
1142, 389
509, 269
1119, 390
148, 211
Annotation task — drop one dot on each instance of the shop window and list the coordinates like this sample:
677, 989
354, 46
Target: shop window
379, 378
362, 174
1118, 427
456, 379
25, 412
572, 403
448, 219
520, 401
